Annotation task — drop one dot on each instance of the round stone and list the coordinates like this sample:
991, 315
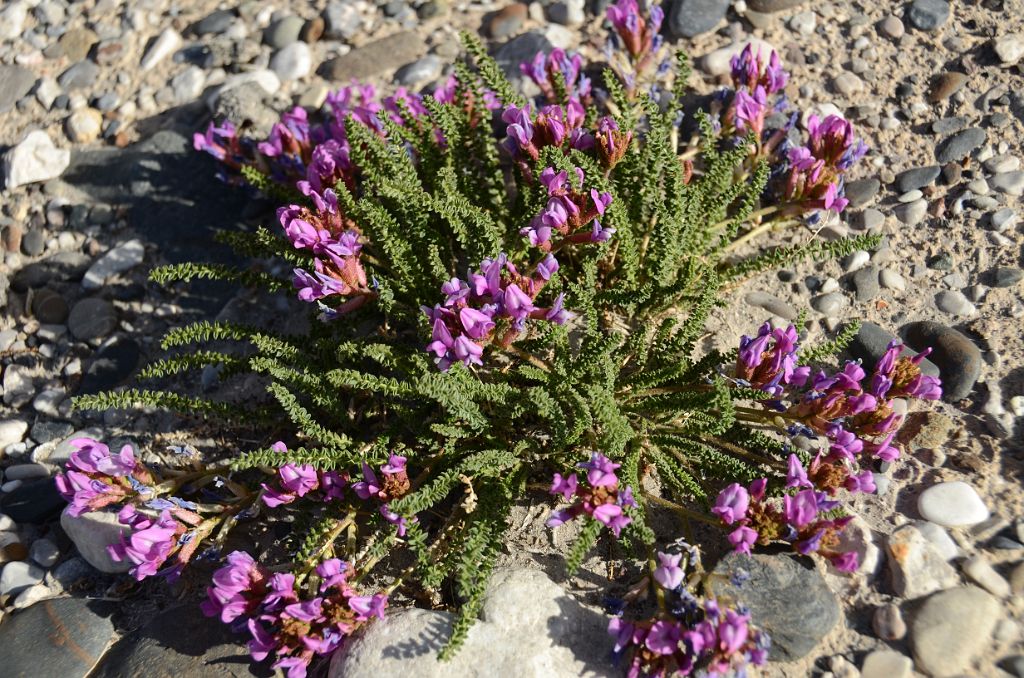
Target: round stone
292, 62
928, 15
92, 318
84, 125
49, 307
952, 628
892, 27
952, 504
888, 622
283, 32
886, 664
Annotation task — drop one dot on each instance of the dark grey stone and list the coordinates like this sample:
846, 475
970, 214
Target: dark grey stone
217, 22
33, 242
786, 595
60, 637
865, 280
46, 431
919, 177
15, 82
957, 357
871, 342
1005, 276
862, 191
49, 307
80, 75
928, 15
768, 6
161, 650
63, 266
520, 49
690, 18
36, 502
92, 318
1013, 665
960, 145
111, 366
376, 57
949, 125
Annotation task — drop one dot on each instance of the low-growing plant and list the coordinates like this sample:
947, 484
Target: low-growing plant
505, 290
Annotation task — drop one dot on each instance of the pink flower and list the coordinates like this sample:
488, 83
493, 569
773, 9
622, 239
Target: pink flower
668, 574
742, 538
732, 503
664, 637
564, 486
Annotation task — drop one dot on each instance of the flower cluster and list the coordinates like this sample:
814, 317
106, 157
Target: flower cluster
295, 624
94, 478
553, 125
493, 304
690, 635
756, 79
600, 498
544, 68
816, 171
152, 540
857, 417
569, 208
638, 36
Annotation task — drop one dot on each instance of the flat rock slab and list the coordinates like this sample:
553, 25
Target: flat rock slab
376, 57
787, 597
62, 637
181, 643
529, 627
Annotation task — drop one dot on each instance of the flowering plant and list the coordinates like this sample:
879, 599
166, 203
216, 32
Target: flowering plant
544, 285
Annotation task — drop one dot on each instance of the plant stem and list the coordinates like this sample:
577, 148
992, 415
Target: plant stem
756, 214
681, 510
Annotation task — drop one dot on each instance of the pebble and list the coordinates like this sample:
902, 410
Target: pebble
866, 282
848, 84
911, 213
717, 62
1002, 163
80, 75
960, 145
772, 304
888, 622
928, 15
567, 12
855, 260
426, 69
1006, 276
892, 280
215, 23
1009, 48
342, 20
957, 357
857, 538
18, 576
66, 635
165, 44
92, 318
15, 82
188, 84
1003, 220
1011, 183
34, 159
91, 533
18, 386
507, 21
125, 256
35, 502
886, 664
918, 177
915, 566
12, 431
861, 191
12, 20
952, 504
946, 85
892, 27
939, 538
954, 303
771, 6
376, 57
829, 304
84, 125
26, 471
283, 32
292, 62
983, 574
45, 552
952, 628
910, 196
690, 18
869, 220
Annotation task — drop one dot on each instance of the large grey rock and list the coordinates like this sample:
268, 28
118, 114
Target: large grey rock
529, 627
34, 159
957, 357
690, 18
915, 565
952, 504
951, 629
92, 532
376, 57
15, 82
125, 256
786, 596
960, 145
63, 637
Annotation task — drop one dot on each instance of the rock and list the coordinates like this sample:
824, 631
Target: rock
18, 386
76, 43
111, 366
376, 57
165, 44
939, 538
12, 20
911, 213
891, 280
1009, 48
125, 256
862, 191
214, 23
425, 69
160, 650
292, 62
66, 635
928, 15
63, 266
519, 49
979, 570
888, 622
34, 159
188, 85
954, 303
12, 431
528, 627
35, 502
1014, 664
45, 552
958, 359
342, 20
717, 62
80, 75
18, 576
952, 504
916, 178
892, 27
15, 82
790, 600
856, 537
847, 83
946, 85
33, 242
866, 282
960, 145
886, 664
507, 21
829, 304
92, 318
91, 533
690, 18
312, 30
769, 6
84, 125
1003, 220
1005, 276
283, 32
772, 304
1011, 183
951, 628
915, 567
567, 12
26, 471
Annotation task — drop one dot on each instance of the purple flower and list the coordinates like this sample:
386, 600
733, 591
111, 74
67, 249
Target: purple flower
477, 324
796, 476
369, 486
333, 572
846, 562
147, 544
668, 574
742, 538
622, 630
564, 486
801, 508
299, 479
664, 637
368, 606
731, 504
